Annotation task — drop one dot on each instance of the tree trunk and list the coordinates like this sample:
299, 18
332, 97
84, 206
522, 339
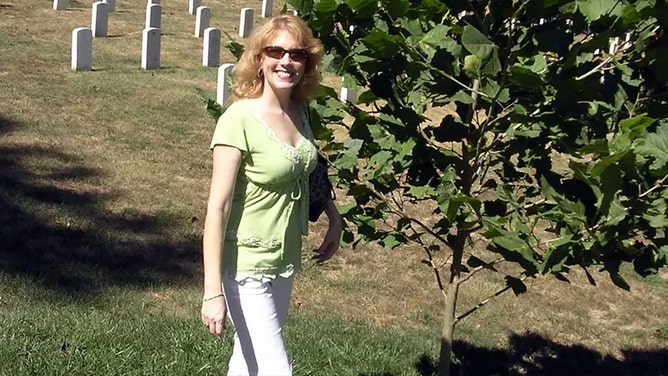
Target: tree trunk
448, 330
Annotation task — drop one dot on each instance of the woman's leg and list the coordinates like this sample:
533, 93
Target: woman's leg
258, 310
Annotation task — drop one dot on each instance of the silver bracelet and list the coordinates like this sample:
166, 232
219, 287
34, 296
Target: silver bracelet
213, 297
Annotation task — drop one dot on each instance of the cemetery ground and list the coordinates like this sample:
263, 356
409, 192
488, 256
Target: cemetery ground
103, 185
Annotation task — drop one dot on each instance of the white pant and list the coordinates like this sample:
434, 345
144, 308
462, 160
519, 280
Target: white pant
258, 310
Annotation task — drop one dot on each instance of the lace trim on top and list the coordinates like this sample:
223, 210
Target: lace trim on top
254, 241
291, 152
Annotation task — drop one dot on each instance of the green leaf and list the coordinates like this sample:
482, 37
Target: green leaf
346, 208
656, 148
478, 44
436, 36
421, 192
557, 255
396, 8
364, 8
595, 9
472, 65
380, 164
617, 211
326, 6
393, 240
236, 48
348, 159
525, 77
656, 214
634, 126
383, 44
610, 185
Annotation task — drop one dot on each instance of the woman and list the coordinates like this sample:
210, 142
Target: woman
263, 153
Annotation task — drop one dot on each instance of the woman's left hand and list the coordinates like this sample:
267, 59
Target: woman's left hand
331, 242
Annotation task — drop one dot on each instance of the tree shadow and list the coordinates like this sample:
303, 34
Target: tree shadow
530, 354
55, 229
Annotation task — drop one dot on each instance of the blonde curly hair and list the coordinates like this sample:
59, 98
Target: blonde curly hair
249, 84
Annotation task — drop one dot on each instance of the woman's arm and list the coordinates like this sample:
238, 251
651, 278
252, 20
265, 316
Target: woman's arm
226, 162
333, 237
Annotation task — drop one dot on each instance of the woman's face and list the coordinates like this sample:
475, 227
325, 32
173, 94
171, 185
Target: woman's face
282, 62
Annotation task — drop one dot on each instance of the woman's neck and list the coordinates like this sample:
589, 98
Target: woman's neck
270, 99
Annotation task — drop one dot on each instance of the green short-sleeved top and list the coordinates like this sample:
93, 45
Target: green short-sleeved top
269, 210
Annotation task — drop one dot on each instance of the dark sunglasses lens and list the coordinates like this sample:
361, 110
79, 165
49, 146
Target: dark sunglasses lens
298, 55
274, 52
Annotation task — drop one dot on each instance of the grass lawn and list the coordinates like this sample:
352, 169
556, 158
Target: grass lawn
103, 184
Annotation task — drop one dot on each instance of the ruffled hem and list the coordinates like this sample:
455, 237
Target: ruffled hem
260, 275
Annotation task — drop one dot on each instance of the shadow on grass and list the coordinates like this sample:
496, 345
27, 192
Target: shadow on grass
532, 355
55, 229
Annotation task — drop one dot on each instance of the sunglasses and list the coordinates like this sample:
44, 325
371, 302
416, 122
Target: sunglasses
296, 54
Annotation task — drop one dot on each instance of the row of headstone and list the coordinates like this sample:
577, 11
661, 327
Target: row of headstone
151, 36
82, 45
151, 40
82, 37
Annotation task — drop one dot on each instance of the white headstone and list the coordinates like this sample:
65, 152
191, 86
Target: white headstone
202, 20
59, 4
211, 50
100, 19
614, 44
150, 50
153, 12
267, 6
112, 5
245, 22
82, 49
193, 5
627, 41
348, 95
224, 90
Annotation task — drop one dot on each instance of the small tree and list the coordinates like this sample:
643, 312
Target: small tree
512, 124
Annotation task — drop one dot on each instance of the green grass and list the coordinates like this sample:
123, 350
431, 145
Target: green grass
133, 332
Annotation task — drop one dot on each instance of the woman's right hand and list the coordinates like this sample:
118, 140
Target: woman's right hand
214, 313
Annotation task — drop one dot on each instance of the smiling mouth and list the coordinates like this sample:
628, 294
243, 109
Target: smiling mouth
285, 74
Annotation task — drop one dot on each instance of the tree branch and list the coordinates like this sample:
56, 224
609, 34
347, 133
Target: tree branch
430, 259
658, 185
482, 303
477, 269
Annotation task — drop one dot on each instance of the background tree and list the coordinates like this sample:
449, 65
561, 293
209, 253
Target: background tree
501, 131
